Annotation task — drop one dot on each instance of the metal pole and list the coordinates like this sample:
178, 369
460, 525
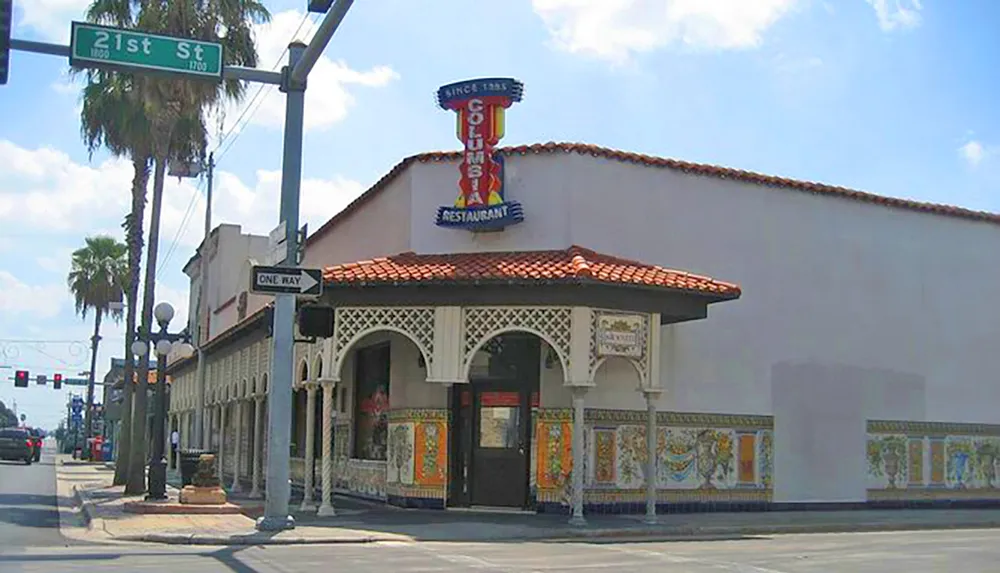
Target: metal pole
229, 72
279, 390
157, 485
199, 412
322, 37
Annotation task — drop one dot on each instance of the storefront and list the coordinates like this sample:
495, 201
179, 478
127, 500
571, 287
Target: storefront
528, 345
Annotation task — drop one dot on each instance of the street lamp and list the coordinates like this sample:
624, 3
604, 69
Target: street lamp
163, 343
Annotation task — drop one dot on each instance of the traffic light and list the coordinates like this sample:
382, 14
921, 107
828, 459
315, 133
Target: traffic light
21, 379
317, 6
6, 21
57, 381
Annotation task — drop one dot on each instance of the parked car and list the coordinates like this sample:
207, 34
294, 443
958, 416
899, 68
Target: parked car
17, 444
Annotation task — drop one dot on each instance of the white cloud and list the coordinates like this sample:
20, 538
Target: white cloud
897, 14
20, 298
327, 97
45, 189
50, 19
615, 30
974, 152
58, 261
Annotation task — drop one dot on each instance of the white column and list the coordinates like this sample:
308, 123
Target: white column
238, 421
326, 505
258, 447
578, 453
307, 495
222, 439
651, 439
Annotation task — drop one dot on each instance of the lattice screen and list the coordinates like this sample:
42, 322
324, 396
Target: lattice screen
417, 322
479, 322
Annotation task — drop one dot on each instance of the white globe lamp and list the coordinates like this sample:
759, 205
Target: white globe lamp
163, 347
163, 312
139, 348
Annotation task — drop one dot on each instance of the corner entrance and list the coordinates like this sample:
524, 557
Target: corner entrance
491, 429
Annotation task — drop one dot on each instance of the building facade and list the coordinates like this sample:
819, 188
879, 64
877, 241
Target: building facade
581, 359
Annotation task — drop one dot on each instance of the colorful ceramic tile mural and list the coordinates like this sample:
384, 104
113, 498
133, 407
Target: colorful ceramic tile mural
689, 456
747, 456
765, 452
418, 450
962, 460
400, 462
605, 457
554, 453
915, 468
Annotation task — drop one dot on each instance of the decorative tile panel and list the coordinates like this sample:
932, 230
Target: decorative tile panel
420, 453
400, 455
963, 460
747, 448
700, 457
554, 445
605, 456
641, 362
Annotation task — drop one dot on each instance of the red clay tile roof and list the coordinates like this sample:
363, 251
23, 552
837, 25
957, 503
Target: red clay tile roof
662, 162
572, 264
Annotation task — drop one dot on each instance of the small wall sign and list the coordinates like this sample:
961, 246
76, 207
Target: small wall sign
480, 106
620, 335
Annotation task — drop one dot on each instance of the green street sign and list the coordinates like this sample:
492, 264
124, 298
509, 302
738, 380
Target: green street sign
93, 46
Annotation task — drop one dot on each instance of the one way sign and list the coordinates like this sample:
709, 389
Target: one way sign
286, 280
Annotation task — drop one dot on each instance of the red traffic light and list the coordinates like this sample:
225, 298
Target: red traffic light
21, 379
57, 381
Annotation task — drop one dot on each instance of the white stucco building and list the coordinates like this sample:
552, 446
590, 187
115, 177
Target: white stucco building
844, 351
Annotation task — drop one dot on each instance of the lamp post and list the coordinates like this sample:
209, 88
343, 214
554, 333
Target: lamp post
163, 343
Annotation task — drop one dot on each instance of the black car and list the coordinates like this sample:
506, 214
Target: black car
17, 444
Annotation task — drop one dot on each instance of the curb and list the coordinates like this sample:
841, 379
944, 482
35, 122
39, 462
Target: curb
689, 533
86, 508
248, 540
670, 534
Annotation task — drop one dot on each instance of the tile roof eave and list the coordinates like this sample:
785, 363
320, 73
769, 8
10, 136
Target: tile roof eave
734, 292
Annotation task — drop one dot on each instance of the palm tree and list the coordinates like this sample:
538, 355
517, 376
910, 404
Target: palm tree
97, 277
171, 114
111, 117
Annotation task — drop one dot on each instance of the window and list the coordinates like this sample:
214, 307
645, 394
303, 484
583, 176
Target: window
371, 402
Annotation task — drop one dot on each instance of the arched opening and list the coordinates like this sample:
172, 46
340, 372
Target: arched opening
617, 381
379, 370
317, 373
494, 419
299, 411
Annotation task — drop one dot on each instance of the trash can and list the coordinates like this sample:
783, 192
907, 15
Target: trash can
189, 464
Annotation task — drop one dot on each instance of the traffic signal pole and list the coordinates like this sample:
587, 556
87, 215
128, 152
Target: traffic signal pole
292, 81
301, 59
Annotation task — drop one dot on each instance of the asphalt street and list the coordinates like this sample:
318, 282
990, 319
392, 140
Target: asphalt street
29, 514
917, 552
30, 542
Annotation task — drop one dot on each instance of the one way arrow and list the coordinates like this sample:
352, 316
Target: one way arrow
286, 280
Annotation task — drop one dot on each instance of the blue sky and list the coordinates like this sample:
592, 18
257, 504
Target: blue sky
895, 97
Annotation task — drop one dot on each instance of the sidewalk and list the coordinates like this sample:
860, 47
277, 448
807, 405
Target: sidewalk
361, 522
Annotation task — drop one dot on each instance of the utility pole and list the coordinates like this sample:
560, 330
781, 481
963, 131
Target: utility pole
200, 432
